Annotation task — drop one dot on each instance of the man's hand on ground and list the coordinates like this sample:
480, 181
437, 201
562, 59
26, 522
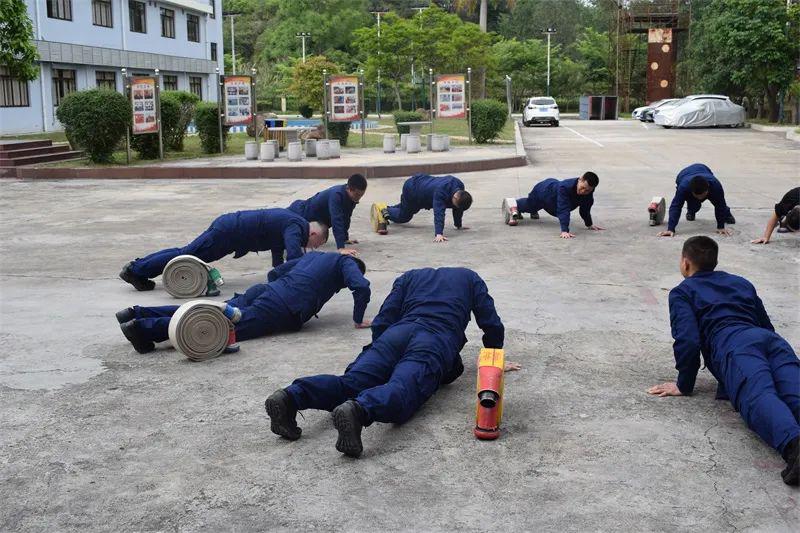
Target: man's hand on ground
595, 227
511, 366
760, 240
439, 238
348, 251
666, 233
364, 325
567, 235
724, 231
665, 389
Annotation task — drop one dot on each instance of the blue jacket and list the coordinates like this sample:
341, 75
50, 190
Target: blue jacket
423, 191
441, 300
683, 193
704, 311
560, 198
307, 283
265, 229
333, 207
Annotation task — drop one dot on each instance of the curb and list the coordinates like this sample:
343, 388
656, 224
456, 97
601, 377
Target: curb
518, 141
790, 133
265, 172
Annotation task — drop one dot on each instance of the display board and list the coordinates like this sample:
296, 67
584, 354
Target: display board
344, 103
144, 101
238, 95
451, 96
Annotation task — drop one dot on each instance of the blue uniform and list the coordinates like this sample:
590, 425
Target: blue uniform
558, 198
683, 193
332, 207
417, 338
721, 316
237, 233
296, 292
423, 191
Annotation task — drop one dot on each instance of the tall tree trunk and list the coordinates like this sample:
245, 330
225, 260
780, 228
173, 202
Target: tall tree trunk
484, 16
772, 99
397, 96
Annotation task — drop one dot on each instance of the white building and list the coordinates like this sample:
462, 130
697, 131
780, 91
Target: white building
84, 44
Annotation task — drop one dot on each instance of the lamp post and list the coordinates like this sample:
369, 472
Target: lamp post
232, 15
303, 35
549, 31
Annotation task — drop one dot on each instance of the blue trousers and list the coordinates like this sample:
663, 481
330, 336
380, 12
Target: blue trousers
405, 210
529, 205
761, 374
263, 313
391, 379
210, 246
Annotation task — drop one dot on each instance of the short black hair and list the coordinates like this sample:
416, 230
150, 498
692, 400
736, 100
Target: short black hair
464, 200
357, 182
591, 178
792, 219
699, 185
702, 252
361, 265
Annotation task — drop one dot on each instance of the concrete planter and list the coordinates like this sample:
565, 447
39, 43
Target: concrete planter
251, 150
336, 148
294, 151
403, 139
437, 143
268, 152
323, 150
389, 143
311, 148
413, 144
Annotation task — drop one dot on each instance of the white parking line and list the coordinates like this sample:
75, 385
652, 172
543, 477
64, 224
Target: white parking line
584, 136
644, 126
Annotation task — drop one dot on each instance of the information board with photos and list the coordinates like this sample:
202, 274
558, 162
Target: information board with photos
451, 96
145, 105
238, 100
344, 99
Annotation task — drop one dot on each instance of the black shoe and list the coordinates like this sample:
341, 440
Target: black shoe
131, 331
139, 283
791, 474
126, 315
535, 215
730, 220
348, 421
690, 216
385, 215
282, 412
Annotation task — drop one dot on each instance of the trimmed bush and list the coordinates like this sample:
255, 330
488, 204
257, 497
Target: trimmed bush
406, 116
175, 127
339, 130
488, 119
305, 110
207, 121
147, 143
96, 120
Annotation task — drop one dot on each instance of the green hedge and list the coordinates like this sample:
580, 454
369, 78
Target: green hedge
207, 122
406, 116
176, 132
487, 118
147, 143
339, 130
96, 120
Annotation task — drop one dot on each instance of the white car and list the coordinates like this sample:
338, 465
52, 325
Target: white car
700, 111
647, 114
540, 110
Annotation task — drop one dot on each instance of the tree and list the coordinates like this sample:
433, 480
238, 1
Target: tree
307, 80
743, 47
591, 50
17, 51
470, 5
525, 62
568, 17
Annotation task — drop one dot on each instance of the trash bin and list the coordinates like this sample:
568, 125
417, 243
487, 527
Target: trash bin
598, 108
279, 136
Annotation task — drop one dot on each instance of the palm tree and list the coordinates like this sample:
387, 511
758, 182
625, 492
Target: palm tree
469, 7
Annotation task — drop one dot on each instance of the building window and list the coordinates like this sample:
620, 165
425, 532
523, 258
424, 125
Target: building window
193, 28
196, 86
13, 91
167, 23
63, 84
213, 8
170, 83
101, 13
213, 51
59, 9
106, 79
137, 12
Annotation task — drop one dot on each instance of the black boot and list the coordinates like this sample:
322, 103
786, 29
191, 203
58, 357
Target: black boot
139, 283
126, 315
131, 331
690, 216
730, 220
348, 419
282, 412
791, 454
535, 215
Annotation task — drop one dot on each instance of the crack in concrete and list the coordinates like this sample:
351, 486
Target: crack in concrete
725, 510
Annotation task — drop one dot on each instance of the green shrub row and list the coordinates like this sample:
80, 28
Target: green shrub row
488, 117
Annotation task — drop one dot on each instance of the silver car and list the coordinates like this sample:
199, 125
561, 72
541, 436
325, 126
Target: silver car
700, 111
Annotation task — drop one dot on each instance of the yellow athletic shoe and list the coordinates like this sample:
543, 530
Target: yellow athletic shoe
378, 219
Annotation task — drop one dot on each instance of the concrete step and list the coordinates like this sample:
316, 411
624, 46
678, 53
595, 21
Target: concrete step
41, 158
6, 146
25, 152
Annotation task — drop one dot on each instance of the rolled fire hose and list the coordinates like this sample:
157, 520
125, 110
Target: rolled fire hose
200, 330
186, 276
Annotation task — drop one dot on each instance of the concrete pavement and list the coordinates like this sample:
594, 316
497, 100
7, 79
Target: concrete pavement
94, 436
